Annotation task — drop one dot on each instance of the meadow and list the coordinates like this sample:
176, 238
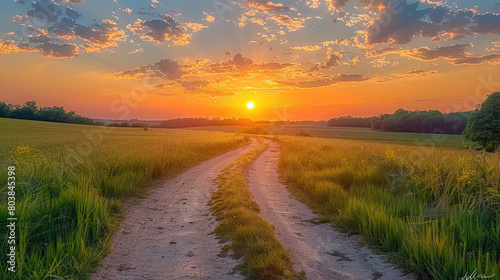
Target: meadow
433, 207
71, 183
356, 133
435, 210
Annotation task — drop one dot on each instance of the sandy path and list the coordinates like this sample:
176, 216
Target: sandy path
318, 249
167, 235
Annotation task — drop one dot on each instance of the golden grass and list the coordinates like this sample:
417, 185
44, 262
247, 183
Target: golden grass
436, 210
71, 182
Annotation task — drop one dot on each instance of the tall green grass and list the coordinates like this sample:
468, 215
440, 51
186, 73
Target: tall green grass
436, 210
252, 238
68, 207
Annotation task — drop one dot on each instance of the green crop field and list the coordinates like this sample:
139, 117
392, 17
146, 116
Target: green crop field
228, 128
71, 181
435, 210
323, 131
369, 134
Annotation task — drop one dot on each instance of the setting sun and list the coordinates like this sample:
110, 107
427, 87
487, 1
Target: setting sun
250, 105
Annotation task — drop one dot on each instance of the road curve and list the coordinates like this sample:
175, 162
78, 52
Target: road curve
318, 249
167, 235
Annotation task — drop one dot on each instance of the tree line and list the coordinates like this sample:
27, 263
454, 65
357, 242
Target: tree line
431, 121
348, 121
31, 111
480, 127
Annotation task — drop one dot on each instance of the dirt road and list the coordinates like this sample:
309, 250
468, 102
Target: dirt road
318, 249
167, 235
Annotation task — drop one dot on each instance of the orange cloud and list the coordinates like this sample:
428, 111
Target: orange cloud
224, 78
8, 47
100, 35
209, 18
266, 6
195, 26
313, 3
307, 48
417, 73
292, 24
46, 49
454, 54
258, 21
328, 81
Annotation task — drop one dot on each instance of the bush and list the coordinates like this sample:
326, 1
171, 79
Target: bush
304, 134
254, 130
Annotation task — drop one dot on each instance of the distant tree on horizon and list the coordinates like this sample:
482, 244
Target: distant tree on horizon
348, 121
483, 126
376, 122
430, 121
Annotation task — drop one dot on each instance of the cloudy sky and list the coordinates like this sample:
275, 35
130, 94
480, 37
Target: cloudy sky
306, 59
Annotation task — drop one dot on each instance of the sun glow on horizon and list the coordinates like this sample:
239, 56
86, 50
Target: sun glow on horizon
250, 105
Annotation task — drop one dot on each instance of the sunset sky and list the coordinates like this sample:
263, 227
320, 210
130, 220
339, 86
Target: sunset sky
306, 59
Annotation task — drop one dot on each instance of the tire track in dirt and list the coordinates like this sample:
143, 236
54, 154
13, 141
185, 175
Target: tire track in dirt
318, 249
167, 235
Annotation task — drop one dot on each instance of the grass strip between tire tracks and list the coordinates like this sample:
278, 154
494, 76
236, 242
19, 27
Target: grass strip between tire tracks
252, 238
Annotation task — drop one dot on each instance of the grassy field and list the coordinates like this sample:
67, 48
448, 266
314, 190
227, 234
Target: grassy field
71, 181
436, 210
323, 131
230, 129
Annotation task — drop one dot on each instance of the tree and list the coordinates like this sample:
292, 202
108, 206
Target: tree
27, 112
348, 121
483, 126
376, 122
5, 109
